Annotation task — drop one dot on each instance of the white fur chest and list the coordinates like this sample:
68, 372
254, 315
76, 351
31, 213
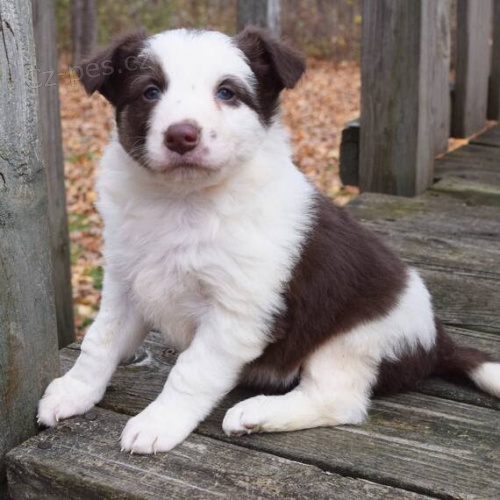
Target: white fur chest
180, 256
166, 254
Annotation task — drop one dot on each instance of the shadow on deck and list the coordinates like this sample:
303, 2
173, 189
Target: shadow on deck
442, 441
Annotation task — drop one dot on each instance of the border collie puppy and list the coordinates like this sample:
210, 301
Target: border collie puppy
213, 237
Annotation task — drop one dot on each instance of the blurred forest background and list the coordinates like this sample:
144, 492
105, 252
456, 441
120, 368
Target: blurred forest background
327, 31
320, 28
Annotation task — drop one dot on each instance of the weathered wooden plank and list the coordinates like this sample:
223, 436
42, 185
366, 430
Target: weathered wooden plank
471, 173
434, 229
494, 82
472, 192
472, 68
490, 137
416, 442
397, 94
262, 13
462, 254
441, 99
50, 129
464, 299
81, 460
470, 159
28, 334
413, 441
432, 213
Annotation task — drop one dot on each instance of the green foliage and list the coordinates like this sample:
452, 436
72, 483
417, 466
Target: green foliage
77, 222
75, 253
97, 275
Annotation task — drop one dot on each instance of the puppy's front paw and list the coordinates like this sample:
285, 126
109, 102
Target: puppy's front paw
64, 398
246, 417
157, 428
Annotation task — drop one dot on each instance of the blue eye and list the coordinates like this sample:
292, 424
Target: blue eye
224, 94
152, 93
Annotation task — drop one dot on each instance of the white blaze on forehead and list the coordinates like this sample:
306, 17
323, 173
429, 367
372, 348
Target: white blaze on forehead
198, 57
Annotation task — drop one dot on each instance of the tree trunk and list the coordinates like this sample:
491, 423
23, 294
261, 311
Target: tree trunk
83, 28
48, 91
262, 13
28, 334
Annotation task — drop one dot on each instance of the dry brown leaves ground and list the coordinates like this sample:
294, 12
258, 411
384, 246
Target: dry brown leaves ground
315, 112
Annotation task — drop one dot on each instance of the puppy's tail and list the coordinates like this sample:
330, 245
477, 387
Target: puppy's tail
457, 361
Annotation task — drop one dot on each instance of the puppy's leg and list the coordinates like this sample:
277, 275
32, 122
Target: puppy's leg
203, 374
334, 389
114, 336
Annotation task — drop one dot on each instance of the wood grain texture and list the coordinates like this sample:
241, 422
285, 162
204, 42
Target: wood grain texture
398, 93
441, 99
435, 231
472, 172
472, 66
50, 127
490, 137
413, 441
472, 192
494, 82
28, 334
470, 161
81, 460
420, 442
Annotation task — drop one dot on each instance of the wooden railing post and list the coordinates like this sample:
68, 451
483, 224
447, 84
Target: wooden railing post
472, 68
441, 99
399, 68
494, 87
28, 334
48, 91
262, 13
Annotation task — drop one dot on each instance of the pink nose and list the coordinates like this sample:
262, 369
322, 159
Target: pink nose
182, 137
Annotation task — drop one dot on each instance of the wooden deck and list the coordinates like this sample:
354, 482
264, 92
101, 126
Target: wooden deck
440, 442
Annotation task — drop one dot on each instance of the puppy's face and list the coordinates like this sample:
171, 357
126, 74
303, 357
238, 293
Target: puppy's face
193, 103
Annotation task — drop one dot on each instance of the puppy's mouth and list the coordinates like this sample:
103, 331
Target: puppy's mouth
189, 166
192, 166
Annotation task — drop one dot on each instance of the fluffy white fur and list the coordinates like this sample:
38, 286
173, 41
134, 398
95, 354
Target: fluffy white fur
487, 377
203, 256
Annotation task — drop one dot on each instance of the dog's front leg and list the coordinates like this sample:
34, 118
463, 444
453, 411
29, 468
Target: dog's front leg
202, 376
114, 336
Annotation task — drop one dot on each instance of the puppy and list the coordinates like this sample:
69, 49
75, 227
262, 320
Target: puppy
213, 237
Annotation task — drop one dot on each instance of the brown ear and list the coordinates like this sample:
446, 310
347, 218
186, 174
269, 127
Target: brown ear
104, 70
275, 66
268, 56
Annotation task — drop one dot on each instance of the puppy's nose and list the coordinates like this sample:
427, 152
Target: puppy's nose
182, 137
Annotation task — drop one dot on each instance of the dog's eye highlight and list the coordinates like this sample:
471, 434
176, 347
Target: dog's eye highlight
224, 94
152, 93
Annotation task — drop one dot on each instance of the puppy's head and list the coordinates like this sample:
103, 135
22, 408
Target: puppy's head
192, 103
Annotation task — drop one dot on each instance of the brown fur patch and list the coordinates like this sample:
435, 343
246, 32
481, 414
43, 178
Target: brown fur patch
121, 74
275, 66
345, 276
455, 361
